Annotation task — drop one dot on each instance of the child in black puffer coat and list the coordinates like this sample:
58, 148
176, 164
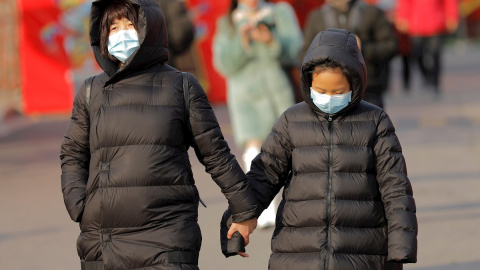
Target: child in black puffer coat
347, 200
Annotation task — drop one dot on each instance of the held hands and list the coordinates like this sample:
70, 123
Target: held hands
245, 228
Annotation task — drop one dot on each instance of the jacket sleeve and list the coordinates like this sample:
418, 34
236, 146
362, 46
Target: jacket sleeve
228, 55
397, 195
213, 152
75, 158
384, 44
181, 30
271, 168
288, 34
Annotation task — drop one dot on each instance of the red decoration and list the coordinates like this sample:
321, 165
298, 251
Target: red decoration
46, 81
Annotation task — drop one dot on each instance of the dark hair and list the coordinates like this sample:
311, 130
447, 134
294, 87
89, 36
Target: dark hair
117, 10
330, 64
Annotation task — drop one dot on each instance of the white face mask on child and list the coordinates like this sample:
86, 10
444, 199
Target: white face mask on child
330, 104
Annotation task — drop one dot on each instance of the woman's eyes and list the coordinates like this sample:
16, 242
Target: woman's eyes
116, 27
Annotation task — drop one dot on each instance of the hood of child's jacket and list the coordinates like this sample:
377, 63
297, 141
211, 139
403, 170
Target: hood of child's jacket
152, 35
339, 45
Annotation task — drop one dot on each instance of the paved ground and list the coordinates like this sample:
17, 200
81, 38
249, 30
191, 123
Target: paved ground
441, 143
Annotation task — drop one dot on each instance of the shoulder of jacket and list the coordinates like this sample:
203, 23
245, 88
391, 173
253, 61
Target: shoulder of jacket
375, 112
98, 81
175, 77
297, 110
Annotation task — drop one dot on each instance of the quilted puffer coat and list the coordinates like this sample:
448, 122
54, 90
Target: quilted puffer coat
347, 200
126, 175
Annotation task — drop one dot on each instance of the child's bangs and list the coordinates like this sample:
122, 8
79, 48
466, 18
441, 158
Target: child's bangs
118, 11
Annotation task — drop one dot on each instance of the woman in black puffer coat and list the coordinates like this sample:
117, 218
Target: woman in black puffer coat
347, 201
126, 175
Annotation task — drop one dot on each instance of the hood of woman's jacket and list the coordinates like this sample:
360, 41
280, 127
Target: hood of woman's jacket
152, 35
339, 45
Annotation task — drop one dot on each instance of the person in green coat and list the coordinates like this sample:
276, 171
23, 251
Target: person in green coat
253, 44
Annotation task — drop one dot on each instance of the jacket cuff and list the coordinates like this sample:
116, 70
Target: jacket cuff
402, 246
247, 215
402, 255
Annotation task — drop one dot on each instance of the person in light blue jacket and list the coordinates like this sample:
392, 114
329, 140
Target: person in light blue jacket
253, 45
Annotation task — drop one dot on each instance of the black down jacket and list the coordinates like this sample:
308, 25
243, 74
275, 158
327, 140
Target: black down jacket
347, 200
126, 175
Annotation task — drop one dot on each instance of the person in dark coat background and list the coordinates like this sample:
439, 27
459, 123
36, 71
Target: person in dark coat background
180, 28
378, 41
126, 175
347, 201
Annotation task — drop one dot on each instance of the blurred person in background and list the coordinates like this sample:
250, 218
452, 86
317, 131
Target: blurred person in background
252, 44
180, 28
126, 174
378, 42
426, 22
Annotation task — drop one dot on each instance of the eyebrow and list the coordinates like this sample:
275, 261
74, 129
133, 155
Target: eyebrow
339, 89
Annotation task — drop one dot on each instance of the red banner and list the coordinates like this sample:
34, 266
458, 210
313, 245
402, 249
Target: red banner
46, 80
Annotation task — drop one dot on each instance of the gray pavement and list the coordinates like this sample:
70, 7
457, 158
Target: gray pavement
441, 144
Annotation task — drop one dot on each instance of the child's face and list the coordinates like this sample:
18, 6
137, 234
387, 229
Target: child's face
330, 82
120, 24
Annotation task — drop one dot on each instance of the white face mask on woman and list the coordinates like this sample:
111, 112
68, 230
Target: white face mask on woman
330, 104
122, 44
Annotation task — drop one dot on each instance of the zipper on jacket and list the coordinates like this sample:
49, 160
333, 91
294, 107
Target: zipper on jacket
329, 192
